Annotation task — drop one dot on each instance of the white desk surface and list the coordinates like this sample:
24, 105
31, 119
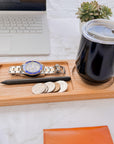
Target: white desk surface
24, 124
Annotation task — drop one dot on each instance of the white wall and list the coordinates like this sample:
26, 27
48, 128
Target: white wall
67, 8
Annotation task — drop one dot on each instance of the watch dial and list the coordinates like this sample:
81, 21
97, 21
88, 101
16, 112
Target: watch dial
32, 67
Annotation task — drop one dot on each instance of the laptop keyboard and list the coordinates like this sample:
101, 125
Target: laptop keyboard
20, 24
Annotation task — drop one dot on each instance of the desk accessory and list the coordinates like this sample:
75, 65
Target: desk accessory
24, 28
63, 85
35, 80
35, 68
57, 87
50, 87
77, 88
95, 60
83, 135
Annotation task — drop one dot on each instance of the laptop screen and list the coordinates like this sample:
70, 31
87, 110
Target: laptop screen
24, 5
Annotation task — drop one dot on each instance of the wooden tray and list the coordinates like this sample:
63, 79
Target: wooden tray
77, 88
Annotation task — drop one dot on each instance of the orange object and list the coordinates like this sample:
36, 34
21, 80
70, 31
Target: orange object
87, 135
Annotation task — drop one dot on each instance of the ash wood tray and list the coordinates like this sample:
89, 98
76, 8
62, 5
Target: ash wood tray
77, 88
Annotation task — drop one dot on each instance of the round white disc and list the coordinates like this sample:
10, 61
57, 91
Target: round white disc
51, 86
38, 88
63, 86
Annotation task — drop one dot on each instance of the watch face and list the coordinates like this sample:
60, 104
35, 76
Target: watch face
32, 68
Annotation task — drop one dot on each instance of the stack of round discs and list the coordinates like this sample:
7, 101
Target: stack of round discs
49, 87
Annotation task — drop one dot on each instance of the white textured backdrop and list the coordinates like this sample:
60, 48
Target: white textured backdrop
25, 124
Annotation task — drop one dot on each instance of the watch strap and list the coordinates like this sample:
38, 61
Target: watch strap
53, 69
15, 70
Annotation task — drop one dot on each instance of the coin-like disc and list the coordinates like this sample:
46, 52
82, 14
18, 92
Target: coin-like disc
46, 90
57, 87
63, 86
51, 86
38, 88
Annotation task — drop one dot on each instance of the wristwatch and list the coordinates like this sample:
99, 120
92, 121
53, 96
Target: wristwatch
34, 68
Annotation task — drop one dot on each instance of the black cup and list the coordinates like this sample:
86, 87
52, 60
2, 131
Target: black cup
95, 60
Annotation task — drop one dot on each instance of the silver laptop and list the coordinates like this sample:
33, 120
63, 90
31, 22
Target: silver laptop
23, 27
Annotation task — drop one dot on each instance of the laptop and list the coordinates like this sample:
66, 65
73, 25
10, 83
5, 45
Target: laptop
23, 27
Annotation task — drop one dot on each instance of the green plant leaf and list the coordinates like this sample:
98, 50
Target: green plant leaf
92, 10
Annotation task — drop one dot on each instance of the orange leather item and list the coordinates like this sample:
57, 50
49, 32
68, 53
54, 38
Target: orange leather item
87, 135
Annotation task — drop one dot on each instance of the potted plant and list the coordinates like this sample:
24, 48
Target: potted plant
92, 10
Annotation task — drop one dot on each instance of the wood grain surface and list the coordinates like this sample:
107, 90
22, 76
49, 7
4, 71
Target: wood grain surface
77, 88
